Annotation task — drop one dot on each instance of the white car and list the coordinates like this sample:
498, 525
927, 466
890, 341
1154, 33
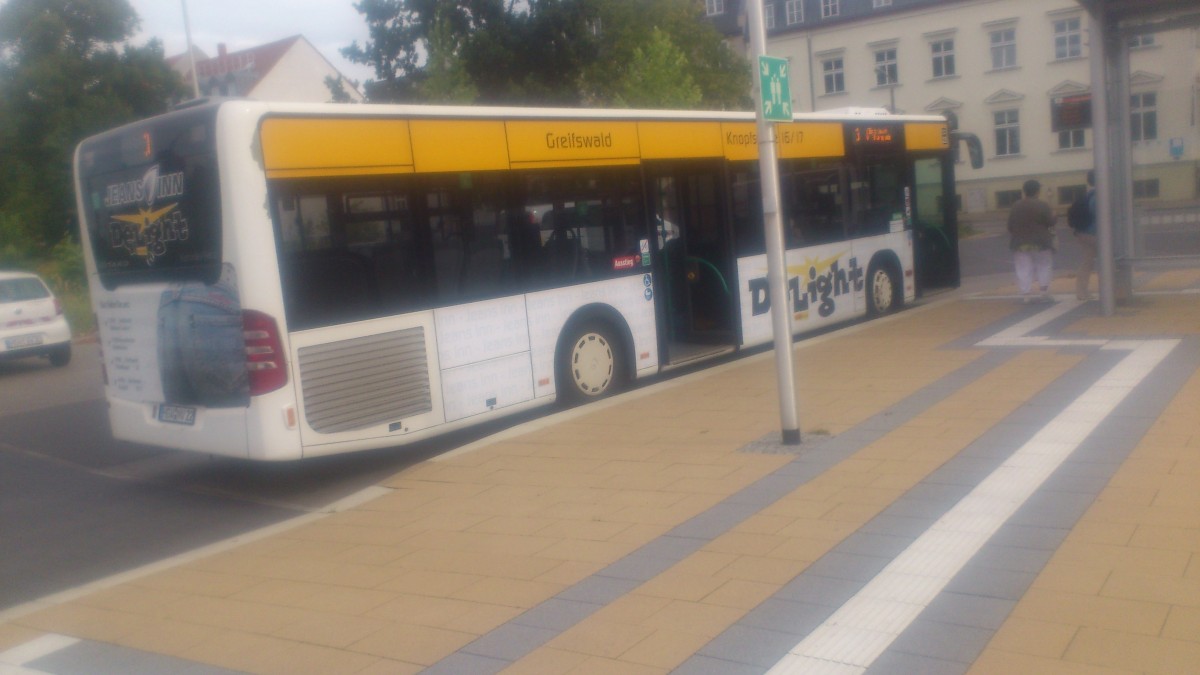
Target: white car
31, 320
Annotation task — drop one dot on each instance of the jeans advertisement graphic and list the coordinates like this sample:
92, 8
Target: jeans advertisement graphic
201, 348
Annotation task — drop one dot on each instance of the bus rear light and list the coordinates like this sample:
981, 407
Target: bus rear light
265, 362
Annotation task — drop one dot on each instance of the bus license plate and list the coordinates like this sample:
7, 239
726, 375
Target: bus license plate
23, 341
177, 414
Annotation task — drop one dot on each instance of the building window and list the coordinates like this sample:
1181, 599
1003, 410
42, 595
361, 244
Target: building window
885, 67
1070, 139
1006, 198
769, 16
882, 3
1068, 39
1067, 194
1004, 48
1008, 133
943, 57
829, 8
714, 7
1143, 117
835, 77
1145, 189
795, 11
1143, 40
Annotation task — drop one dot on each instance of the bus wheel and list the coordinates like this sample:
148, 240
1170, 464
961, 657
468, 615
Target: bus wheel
590, 364
882, 284
61, 356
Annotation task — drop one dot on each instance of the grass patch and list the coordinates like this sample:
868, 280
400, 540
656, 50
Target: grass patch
78, 308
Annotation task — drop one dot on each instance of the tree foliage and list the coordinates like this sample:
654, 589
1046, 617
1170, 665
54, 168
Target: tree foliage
549, 52
64, 74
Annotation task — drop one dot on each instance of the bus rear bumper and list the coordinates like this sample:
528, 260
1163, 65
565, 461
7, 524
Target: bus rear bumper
211, 431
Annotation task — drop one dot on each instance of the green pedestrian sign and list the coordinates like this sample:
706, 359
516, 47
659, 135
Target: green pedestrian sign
776, 94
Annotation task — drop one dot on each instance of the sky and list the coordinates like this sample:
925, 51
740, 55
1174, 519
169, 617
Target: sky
328, 24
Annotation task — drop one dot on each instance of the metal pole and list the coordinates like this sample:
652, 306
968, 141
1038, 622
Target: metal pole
781, 315
1101, 138
187, 30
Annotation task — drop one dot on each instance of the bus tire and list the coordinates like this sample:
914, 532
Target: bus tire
61, 356
590, 362
884, 292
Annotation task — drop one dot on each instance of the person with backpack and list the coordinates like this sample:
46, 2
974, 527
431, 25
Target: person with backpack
1081, 216
1031, 232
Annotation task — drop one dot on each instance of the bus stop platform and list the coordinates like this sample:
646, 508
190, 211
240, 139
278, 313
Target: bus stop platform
983, 486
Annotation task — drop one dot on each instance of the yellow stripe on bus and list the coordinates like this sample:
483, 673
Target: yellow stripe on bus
931, 136
349, 146
459, 145
810, 139
679, 140
566, 143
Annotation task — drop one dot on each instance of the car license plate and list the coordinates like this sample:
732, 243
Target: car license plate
177, 414
21, 341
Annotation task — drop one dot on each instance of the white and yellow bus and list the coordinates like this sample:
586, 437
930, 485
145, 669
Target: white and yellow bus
276, 281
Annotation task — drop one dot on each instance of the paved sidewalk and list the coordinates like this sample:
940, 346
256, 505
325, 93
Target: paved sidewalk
984, 487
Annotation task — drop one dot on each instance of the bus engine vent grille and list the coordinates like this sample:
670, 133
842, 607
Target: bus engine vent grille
358, 383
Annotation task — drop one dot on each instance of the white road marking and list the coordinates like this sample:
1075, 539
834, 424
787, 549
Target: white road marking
11, 661
850, 640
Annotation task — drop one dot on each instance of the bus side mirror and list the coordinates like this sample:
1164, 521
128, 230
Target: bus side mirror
974, 147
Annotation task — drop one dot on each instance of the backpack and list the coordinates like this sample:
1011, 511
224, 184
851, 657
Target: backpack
1079, 215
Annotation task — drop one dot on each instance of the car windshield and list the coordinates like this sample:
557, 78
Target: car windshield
16, 290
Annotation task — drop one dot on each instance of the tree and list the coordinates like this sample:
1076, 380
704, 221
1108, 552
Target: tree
546, 52
658, 76
447, 80
62, 78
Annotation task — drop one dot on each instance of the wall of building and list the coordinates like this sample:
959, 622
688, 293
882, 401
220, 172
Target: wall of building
299, 75
1169, 69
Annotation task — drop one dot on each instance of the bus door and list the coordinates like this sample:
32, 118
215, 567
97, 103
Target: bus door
695, 262
935, 226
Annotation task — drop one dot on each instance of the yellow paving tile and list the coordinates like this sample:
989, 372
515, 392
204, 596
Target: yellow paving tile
774, 570
1145, 618
700, 618
82, 621
390, 667
1153, 588
600, 666
666, 648
331, 630
429, 582
546, 660
1033, 637
1148, 654
606, 639
12, 635
741, 594
508, 592
674, 585
997, 662
240, 651
167, 636
413, 644
235, 615
1183, 623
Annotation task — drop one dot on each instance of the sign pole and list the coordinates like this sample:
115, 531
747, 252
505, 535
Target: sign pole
774, 104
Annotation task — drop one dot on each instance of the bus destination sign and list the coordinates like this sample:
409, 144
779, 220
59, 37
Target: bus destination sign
875, 136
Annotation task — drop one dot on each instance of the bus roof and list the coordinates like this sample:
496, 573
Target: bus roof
531, 112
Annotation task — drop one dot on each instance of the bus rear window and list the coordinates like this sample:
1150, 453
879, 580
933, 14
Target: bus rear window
152, 200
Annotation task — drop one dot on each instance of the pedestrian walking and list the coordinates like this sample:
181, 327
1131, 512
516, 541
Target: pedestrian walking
1082, 219
1031, 232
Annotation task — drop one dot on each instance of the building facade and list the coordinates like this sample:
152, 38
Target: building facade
1014, 72
286, 70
